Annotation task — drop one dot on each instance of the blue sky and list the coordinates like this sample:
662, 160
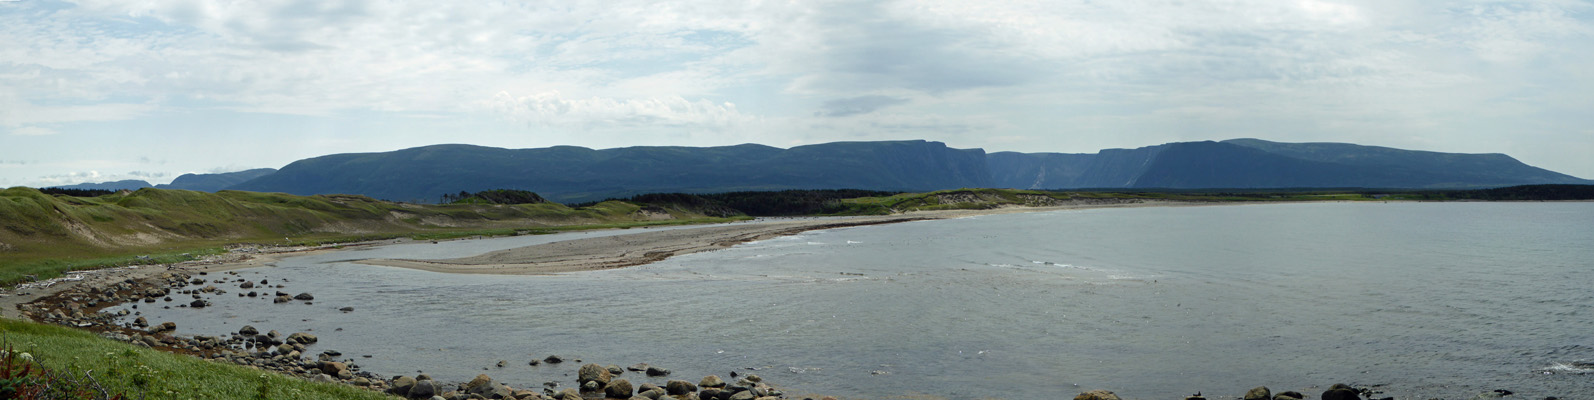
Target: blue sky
97, 91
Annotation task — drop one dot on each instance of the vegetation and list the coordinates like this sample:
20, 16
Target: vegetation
42, 235
77, 364
495, 196
76, 192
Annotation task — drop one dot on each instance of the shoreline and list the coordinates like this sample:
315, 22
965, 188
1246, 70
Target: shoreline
621, 251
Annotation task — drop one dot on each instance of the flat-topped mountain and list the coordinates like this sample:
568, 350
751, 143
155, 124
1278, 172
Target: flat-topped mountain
568, 174
575, 174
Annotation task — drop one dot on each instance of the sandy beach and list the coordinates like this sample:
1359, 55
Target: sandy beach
590, 254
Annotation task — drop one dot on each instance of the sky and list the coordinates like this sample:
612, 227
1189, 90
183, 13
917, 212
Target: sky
94, 91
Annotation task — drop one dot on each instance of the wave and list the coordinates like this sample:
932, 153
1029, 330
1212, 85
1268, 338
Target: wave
1569, 368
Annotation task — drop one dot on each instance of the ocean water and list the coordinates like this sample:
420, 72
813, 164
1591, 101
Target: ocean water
1422, 300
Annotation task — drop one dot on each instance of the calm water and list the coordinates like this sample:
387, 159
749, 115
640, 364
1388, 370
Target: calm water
1429, 300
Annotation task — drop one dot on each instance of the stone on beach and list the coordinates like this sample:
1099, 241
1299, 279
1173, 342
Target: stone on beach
303, 296
1258, 393
679, 387
1097, 395
711, 381
618, 389
1290, 395
593, 373
281, 299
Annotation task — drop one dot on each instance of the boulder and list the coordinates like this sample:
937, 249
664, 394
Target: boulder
307, 296
281, 299
568, 394
553, 360
141, 322
401, 385
618, 389
248, 330
301, 337
1097, 395
657, 371
745, 395
712, 394
679, 387
482, 384
1341, 391
711, 381
424, 389
1290, 395
594, 373
1258, 393
614, 369
638, 367
247, 285
165, 327
346, 309
332, 367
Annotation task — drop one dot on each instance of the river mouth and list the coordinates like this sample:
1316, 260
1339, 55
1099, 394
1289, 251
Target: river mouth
1152, 302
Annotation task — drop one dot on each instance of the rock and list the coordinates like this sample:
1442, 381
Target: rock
401, 385
1291, 395
591, 386
614, 369
332, 367
747, 395
281, 299
248, 330
568, 394
165, 327
712, 394
655, 393
502, 363
753, 378
618, 389
1096, 395
1258, 393
712, 381
638, 367
657, 371
424, 389
1341, 392
679, 387
534, 362
346, 309
553, 360
247, 285
302, 338
141, 322
323, 378
593, 373
307, 296
648, 387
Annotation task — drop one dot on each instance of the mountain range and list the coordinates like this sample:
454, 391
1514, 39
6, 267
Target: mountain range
574, 174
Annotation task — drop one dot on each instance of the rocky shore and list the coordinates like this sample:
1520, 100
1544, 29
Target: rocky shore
292, 354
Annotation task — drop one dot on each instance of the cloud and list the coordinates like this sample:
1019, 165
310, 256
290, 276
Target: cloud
551, 108
857, 105
32, 131
147, 175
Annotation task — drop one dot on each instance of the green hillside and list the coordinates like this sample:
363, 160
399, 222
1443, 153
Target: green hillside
43, 234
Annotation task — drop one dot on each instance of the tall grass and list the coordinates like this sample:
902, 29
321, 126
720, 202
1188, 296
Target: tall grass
142, 372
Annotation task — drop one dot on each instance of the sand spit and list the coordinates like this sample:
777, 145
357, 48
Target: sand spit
609, 252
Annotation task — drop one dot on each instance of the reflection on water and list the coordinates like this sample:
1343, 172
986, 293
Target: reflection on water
1427, 300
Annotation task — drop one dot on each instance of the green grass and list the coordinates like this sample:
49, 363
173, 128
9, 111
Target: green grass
133, 371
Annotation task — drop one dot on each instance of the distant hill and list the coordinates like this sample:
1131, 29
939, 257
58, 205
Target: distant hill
1255, 164
577, 174
214, 182
130, 184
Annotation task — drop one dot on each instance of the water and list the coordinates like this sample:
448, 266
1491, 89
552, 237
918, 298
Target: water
1441, 300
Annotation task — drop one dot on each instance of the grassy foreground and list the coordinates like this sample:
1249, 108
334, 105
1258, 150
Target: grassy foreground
137, 372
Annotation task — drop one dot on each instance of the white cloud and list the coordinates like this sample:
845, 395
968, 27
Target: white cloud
551, 108
32, 131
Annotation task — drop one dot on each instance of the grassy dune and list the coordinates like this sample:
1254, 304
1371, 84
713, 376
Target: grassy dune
43, 235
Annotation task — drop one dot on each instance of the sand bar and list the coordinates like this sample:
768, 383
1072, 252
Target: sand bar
620, 251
